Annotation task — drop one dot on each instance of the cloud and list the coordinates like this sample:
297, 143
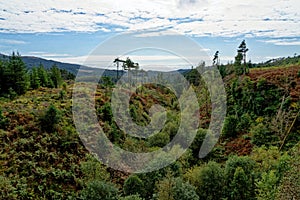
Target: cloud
12, 42
266, 18
283, 42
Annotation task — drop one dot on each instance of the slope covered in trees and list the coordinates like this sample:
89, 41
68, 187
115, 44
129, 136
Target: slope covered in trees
257, 156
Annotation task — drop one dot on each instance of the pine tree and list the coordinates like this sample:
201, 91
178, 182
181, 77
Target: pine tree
55, 76
16, 74
43, 76
241, 68
34, 78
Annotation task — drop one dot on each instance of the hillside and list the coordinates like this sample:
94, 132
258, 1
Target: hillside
42, 156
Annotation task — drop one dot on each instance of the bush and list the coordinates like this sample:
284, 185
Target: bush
240, 177
230, 126
131, 197
244, 123
133, 185
213, 181
184, 191
159, 139
3, 121
50, 119
97, 189
261, 135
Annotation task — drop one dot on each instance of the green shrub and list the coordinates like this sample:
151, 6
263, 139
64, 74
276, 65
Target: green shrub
50, 119
266, 186
230, 126
133, 185
3, 121
131, 197
244, 123
211, 182
261, 135
184, 191
239, 177
96, 189
159, 139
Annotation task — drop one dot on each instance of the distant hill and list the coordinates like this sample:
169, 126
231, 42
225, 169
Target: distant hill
31, 61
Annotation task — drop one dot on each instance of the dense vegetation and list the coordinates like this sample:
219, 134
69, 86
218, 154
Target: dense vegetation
257, 156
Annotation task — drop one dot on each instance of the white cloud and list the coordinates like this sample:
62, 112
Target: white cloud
266, 18
283, 42
12, 42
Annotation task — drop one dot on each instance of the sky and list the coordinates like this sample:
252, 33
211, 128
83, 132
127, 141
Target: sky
71, 30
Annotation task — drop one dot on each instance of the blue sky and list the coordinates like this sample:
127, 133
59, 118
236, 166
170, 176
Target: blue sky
69, 30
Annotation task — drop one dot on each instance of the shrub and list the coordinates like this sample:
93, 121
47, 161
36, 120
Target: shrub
131, 197
50, 119
213, 181
97, 189
159, 139
133, 185
261, 135
239, 175
230, 126
184, 191
3, 121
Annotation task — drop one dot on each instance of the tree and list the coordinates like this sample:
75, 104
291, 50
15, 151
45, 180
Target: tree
240, 185
133, 185
211, 182
184, 191
241, 56
16, 74
43, 76
266, 186
34, 78
240, 176
50, 119
216, 58
55, 76
98, 189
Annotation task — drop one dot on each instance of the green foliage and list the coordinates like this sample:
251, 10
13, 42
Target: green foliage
97, 189
133, 185
131, 197
230, 126
13, 76
159, 139
43, 76
244, 123
50, 119
183, 191
290, 184
267, 186
240, 185
240, 177
211, 183
171, 188
3, 120
8, 191
55, 76
34, 78
92, 169
261, 135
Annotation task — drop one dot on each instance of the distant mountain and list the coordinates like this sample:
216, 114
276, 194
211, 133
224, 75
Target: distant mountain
31, 61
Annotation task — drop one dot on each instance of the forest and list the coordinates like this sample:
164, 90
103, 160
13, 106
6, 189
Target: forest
256, 156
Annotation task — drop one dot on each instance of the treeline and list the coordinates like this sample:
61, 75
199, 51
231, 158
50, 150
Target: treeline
16, 79
295, 60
